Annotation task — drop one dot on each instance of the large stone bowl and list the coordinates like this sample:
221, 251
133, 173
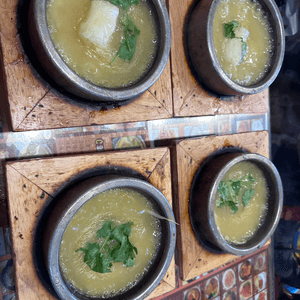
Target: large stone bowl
68, 80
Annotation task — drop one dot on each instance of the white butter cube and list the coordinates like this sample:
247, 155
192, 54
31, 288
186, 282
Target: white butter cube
101, 22
233, 51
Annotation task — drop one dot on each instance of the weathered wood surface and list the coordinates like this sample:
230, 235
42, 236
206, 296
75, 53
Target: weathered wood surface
31, 182
193, 259
189, 98
32, 106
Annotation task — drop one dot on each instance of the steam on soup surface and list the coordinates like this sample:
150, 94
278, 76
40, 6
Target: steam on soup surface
247, 65
89, 46
120, 205
237, 227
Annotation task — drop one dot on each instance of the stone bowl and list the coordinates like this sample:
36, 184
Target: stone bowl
202, 201
68, 80
202, 57
69, 203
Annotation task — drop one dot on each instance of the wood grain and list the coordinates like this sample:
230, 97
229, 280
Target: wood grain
31, 182
189, 98
32, 106
193, 259
23, 214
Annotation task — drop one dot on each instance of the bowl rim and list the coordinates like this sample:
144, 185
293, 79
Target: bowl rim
93, 91
275, 68
138, 184
256, 159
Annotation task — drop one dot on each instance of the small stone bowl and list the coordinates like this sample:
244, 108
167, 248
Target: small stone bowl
202, 202
69, 203
67, 79
202, 56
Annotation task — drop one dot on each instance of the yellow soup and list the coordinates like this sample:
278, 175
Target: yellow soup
237, 227
68, 25
254, 28
121, 206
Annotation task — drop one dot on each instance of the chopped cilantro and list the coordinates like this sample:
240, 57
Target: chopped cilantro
128, 44
124, 3
115, 247
229, 192
229, 29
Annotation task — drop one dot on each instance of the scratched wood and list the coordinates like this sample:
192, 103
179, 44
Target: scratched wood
193, 259
189, 98
32, 106
31, 182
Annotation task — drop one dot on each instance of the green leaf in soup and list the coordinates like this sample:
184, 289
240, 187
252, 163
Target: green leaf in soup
105, 230
124, 3
223, 190
247, 196
229, 29
102, 264
233, 206
250, 178
244, 48
236, 186
128, 44
115, 247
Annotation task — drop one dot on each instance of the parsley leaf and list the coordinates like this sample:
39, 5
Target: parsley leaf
223, 190
128, 44
115, 247
247, 196
229, 192
230, 34
124, 3
229, 29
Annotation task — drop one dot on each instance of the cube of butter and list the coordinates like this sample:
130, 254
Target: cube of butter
101, 22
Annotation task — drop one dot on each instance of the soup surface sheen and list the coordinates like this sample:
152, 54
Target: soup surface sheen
119, 205
64, 18
238, 227
251, 18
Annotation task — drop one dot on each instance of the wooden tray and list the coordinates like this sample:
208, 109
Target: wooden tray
189, 98
31, 182
193, 259
32, 106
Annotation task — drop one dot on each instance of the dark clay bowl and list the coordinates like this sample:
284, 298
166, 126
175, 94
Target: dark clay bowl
202, 55
202, 202
67, 79
69, 204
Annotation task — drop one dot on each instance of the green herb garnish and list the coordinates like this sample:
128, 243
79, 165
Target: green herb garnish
128, 44
229, 33
115, 247
229, 192
229, 29
124, 3
131, 32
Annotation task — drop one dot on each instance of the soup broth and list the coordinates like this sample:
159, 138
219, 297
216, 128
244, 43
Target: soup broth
253, 26
238, 227
120, 205
93, 63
